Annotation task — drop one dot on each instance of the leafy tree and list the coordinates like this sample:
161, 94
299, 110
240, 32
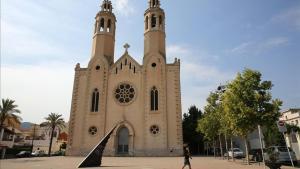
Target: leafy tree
210, 125
189, 125
248, 102
52, 121
292, 128
8, 112
272, 136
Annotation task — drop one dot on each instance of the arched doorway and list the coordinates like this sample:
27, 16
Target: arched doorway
123, 141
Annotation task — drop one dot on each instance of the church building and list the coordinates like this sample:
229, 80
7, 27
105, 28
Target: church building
142, 100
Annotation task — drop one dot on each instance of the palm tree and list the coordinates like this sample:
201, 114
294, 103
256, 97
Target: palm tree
52, 121
7, 112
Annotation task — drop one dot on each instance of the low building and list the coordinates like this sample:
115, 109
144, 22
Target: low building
40, 137
9, 135
292, 117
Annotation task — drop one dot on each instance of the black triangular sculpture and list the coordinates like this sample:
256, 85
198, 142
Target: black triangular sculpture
94, 158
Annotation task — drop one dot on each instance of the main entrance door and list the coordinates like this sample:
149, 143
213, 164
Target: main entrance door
123, 141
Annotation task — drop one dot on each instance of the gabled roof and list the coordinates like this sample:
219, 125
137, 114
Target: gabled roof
126, 55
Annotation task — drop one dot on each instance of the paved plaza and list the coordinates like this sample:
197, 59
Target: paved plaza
125, 163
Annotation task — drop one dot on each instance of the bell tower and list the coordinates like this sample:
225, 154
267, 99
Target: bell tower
104, 33
154, 36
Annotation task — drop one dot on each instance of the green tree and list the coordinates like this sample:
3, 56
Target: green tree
272, 136
8, 111
189, 125
248, 103
292, 128
53, 121
210, 125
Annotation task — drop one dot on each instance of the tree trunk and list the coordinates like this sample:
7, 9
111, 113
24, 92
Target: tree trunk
246, 148
214, 143
50, 145
232, 152
226, 145
1, 133
207, 147
221, 146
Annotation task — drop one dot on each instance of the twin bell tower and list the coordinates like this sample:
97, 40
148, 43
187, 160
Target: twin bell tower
105, 31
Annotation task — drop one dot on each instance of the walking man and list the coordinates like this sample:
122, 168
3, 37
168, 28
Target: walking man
187, 156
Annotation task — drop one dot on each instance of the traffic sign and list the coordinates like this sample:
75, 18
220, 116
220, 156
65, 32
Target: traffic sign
281, 126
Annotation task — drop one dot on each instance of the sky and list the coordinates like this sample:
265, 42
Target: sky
41, 42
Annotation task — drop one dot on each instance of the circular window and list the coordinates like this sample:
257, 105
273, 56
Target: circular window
93, 130
98, 67
125, 93
154, 129
153, 64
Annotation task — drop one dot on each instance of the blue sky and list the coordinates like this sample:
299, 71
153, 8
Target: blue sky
43, 40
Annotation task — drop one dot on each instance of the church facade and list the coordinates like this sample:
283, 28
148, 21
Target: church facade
142, 100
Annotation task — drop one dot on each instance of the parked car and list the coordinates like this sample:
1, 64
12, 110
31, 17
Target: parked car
283, 154
238, 153
38, 153
23, 154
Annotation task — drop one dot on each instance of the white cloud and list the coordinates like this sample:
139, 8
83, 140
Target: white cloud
241, 48
39, 89
124, 7
23, 43
290, 17
198, 79
274, 42
258, 47
28, 38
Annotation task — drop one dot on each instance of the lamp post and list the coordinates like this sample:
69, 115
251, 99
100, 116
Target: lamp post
220, 91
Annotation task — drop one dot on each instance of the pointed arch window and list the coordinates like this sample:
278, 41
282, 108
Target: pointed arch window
154, 3
108, 25
102, 24
95, 101
154, 99
153, 21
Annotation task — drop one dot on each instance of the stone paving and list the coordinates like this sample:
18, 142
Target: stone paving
125, 163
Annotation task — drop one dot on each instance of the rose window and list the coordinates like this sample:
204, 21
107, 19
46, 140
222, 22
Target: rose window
154, 129
124, 93
93, 130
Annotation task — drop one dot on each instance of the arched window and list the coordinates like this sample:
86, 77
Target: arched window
95, 101
154, 99
154, 3
146, 22
102, 24
153, 21
108, 25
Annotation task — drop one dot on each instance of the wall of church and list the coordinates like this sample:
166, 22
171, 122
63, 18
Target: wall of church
96, 80
174, 108
77, 115
155, 76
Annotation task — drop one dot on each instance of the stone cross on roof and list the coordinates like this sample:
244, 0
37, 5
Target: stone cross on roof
126, 46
